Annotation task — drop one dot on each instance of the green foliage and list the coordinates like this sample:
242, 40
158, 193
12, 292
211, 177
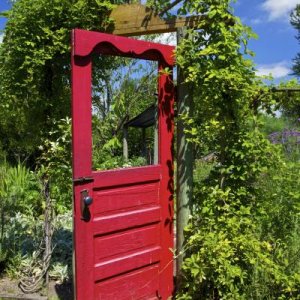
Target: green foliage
243, 236
22, 204
295, 21
280, 218
35, 66
126, 91
54, 164
228, 253
61, 266
19, 191
19, 188
273, 124
289, 101
158, 5
23, 238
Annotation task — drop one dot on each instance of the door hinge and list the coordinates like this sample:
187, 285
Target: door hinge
83, 179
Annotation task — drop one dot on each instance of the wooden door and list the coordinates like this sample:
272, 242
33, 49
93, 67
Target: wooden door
123, 218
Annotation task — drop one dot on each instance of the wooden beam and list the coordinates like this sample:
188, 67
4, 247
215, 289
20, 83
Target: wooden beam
137, 19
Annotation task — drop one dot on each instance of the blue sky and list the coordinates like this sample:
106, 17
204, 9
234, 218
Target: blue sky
4, 5
276, 45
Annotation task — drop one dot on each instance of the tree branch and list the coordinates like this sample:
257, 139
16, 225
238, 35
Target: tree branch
168, 7
291, 89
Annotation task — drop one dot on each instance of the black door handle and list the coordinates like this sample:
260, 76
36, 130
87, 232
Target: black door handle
88, 200
85, 202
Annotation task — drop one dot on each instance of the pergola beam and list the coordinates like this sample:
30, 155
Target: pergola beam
137, 19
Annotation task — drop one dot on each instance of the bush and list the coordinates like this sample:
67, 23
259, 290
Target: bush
19, 192
24, 235
242, 241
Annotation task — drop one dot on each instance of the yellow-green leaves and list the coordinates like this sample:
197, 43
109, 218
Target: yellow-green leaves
35, 65
230, 254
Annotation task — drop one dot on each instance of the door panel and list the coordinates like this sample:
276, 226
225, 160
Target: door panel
123, 219
140, 284
124, 198
126, 177
128, 242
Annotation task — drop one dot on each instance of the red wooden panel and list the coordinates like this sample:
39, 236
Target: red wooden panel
87, 42
137, 285
128, 242
126, 263
126, 176
122, 251
166, 135
119, 221
124, 198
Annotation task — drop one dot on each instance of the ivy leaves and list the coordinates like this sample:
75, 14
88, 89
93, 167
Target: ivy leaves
35, 66
228, 257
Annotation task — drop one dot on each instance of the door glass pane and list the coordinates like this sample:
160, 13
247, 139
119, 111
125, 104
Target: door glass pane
124, 106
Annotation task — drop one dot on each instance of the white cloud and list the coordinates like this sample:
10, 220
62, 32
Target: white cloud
162, 38
279, 9
277, 70
1, 37
166, 39
256, 21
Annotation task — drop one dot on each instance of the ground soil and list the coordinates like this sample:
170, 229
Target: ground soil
9, 289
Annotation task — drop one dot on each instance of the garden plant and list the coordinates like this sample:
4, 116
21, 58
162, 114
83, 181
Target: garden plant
243, 237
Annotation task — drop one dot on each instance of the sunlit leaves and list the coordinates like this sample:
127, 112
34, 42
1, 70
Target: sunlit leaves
35, 66
227, 256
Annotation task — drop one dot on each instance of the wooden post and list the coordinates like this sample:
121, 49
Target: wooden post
184, 162
144, 143
125, 143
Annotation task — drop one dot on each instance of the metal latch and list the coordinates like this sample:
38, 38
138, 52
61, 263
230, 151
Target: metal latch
83, 179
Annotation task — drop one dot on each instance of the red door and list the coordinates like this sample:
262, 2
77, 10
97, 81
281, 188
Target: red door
123, 219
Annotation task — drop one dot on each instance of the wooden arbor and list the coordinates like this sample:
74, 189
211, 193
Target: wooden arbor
136, 19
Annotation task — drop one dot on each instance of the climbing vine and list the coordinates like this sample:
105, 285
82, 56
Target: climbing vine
227, 254
35, 67
241, 243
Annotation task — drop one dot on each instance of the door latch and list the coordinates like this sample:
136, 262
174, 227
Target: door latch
85, 202
83, 180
